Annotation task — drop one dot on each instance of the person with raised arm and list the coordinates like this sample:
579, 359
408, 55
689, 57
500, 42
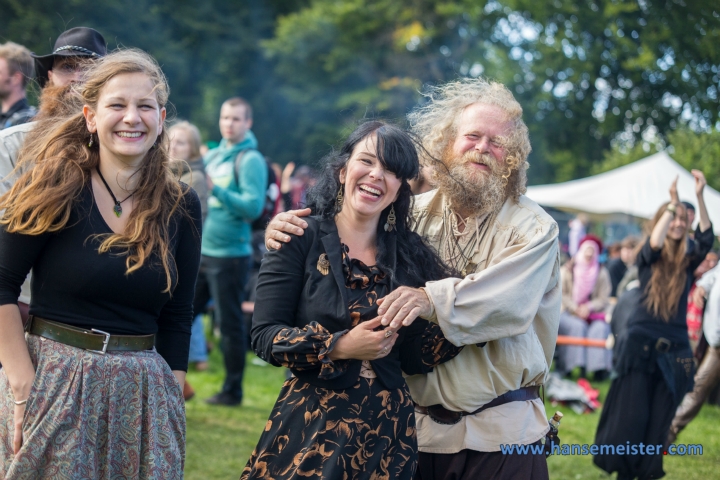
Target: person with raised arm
653, 365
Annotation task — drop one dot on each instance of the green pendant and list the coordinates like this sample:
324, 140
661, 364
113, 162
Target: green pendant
118, 210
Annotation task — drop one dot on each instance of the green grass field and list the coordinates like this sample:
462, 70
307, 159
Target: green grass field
220, 439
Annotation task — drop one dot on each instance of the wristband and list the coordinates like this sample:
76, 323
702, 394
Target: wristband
21, 402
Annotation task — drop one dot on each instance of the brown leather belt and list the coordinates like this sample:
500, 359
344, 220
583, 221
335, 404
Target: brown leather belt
442, 415
94, 340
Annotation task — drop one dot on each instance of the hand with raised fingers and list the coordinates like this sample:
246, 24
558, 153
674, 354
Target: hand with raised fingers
277, 230
402, 306
700, 181
674, 199
286, 175
364, 343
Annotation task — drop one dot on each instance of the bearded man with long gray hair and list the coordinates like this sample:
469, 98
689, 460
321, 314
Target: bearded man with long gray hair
504, 306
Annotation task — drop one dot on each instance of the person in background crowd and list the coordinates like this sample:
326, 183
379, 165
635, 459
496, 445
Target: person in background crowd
613, 251
75, 49
697, 302
578, 228
708, 375
114, 241
186, 161
502, 243
653, 363
617, 267
237, 177
690, 208
294, 188
585, 297
187, 164
16, 70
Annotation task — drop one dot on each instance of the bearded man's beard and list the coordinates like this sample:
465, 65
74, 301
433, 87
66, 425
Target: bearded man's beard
58, 102
472, 191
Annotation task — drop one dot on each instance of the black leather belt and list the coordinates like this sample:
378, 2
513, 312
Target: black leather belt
442, 415
94, 340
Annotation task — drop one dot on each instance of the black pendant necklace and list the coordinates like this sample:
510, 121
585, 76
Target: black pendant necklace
117, 209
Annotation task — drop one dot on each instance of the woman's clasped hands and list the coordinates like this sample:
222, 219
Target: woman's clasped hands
363, 342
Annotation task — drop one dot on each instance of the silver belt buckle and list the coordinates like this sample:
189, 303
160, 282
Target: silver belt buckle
105, 342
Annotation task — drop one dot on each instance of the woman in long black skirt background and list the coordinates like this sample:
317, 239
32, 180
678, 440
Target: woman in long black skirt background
653, 367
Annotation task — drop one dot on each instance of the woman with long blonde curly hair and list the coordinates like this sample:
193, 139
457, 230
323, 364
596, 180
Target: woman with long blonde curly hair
113, 240
653, 364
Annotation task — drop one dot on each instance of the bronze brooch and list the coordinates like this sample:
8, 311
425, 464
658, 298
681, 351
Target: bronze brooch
323, 264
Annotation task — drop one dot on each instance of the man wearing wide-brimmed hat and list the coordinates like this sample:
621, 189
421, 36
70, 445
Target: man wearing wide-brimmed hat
54, 72
73, 49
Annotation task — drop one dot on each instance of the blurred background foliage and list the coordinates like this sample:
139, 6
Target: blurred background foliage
602, 82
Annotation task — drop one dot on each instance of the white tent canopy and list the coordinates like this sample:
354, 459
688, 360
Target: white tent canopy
636, 189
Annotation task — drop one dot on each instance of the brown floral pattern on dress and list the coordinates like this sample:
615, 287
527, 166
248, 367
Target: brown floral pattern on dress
90, 416
435, 348
364, 432
358, 279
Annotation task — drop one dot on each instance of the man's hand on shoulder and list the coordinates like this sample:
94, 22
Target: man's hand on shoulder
282, 224
402, 306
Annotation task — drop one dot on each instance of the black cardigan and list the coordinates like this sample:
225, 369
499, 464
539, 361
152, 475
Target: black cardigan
291, 293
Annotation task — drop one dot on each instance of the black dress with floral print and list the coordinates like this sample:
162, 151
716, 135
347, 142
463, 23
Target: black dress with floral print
362, 432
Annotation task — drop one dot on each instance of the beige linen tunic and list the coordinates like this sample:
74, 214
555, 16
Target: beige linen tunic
512, 301
11, 139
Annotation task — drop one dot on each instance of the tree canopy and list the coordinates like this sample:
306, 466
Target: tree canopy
593, 76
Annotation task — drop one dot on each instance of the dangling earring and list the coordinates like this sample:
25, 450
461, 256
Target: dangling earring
391, 220
154, 145
339, 199
91, 142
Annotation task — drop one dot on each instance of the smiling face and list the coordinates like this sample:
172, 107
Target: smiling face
479, 138
678, 226
127, 118
475, 179
369, 187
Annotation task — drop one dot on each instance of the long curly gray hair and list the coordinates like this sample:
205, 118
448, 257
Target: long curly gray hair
435, 123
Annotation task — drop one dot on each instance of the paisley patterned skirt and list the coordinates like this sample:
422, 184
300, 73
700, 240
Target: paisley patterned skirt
92, 416
363, 432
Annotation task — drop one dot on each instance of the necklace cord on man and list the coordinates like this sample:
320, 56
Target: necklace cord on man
117, 209
456, 256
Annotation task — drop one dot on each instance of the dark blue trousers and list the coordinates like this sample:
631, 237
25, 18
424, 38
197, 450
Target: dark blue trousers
226, 278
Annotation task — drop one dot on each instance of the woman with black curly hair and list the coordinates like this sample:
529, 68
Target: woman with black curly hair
347, 412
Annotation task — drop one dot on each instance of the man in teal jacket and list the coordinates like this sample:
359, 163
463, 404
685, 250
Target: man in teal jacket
237, 179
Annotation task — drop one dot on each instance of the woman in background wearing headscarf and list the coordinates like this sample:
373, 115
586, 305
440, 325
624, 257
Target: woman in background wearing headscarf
585, 292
